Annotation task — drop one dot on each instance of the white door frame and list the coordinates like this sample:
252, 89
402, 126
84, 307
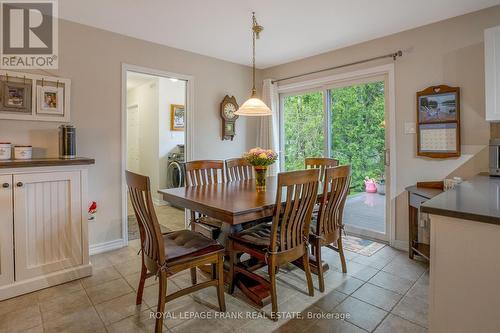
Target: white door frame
189, 121
323, 84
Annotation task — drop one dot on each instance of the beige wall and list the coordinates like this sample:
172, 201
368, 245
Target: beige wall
448, 52
92, 59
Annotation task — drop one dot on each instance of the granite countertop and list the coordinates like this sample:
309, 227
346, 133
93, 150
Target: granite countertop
40, 162
477, 199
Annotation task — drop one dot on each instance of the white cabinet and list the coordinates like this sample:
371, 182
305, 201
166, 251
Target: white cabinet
492, 73
48, 218
6, 231
43, 229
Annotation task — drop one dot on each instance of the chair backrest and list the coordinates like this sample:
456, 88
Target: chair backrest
321, 163
238, 169
292, 217
204, 172
335, 190
151, 238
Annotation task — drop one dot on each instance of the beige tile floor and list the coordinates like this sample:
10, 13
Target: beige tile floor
386, 292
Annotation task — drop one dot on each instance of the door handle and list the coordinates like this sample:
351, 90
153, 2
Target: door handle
5, 185
19, 184
387, 158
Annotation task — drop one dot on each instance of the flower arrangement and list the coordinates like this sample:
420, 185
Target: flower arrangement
260, 157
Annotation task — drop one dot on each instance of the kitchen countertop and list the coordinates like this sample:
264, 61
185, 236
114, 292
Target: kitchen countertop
40, 162
477, 199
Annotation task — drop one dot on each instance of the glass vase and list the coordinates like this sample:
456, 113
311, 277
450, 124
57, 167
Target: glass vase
260, 178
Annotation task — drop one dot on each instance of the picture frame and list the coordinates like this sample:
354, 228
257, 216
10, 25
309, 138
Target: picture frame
50, 100
16, 97
438, 122
177, 117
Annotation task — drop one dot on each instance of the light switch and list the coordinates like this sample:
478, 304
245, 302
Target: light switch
410, 128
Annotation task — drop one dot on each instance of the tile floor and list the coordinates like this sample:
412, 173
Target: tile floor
386, 292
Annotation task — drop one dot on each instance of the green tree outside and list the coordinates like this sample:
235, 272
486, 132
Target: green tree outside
357, 129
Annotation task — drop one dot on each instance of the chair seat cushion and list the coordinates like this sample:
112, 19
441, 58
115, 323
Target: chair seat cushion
183, 244
258, 235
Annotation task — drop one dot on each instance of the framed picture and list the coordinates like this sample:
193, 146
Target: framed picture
50, 100
177, 117
16, 97
438, 122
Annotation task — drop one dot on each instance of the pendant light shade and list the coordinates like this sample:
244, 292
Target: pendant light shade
254, 106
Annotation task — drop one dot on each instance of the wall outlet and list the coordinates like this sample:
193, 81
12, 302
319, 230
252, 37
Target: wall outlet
410, 128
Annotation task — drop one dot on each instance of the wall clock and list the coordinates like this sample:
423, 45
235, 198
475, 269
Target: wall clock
228, 107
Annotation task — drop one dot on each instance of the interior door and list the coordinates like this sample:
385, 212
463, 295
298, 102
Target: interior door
6, 231
47, 232
133, 137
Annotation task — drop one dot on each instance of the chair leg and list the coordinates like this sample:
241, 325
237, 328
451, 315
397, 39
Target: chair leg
193, 270
319, 264
307, 270
274, 298
220, 282
162, 292
142, 281
232, 262
341, 253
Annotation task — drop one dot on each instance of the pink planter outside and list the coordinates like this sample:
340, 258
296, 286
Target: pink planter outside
370, 186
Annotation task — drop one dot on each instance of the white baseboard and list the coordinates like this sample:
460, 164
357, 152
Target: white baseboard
106, 246
400, 245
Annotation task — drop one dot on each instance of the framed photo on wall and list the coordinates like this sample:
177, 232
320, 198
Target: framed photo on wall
438, 122
177, 117
50, 100
16, 97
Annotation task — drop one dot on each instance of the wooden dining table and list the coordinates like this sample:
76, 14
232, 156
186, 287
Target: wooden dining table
234, 203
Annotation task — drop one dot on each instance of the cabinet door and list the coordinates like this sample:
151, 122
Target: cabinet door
48, 222
6, 231
492, 73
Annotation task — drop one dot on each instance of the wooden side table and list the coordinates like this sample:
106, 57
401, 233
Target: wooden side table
417, 195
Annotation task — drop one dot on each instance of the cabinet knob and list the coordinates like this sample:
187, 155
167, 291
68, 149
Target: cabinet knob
5, 185
19, 184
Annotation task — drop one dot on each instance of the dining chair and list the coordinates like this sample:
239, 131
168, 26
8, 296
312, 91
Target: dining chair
199, 173
283, 240
326, 227
164, 255
239, 169
321, 163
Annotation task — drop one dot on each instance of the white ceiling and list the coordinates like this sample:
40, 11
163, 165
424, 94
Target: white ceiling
138, 79
294, 29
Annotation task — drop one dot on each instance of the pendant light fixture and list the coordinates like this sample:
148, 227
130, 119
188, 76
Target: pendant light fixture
254, 106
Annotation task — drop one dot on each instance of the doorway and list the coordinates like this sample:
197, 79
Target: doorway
347, 117
155, 138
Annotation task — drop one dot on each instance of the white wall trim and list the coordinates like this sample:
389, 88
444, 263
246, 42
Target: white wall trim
400, 245
106, 246
189, 131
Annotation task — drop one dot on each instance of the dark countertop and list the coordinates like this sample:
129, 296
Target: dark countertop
477, 199
40, 162
423, 191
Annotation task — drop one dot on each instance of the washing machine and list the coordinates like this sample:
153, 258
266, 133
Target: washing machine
176, 174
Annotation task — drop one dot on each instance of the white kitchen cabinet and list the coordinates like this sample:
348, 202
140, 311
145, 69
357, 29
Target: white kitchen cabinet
43, 228
6, 231
48, 218
492, 73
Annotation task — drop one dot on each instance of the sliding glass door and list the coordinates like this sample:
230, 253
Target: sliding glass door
303, 130
345, 121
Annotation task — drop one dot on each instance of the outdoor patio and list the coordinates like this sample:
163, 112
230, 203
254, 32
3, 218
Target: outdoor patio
365, 211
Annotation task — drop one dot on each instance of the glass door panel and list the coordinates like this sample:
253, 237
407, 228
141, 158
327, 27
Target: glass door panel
357, 137
303, 128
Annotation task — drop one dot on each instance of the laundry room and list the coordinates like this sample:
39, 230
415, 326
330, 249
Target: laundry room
155, 141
